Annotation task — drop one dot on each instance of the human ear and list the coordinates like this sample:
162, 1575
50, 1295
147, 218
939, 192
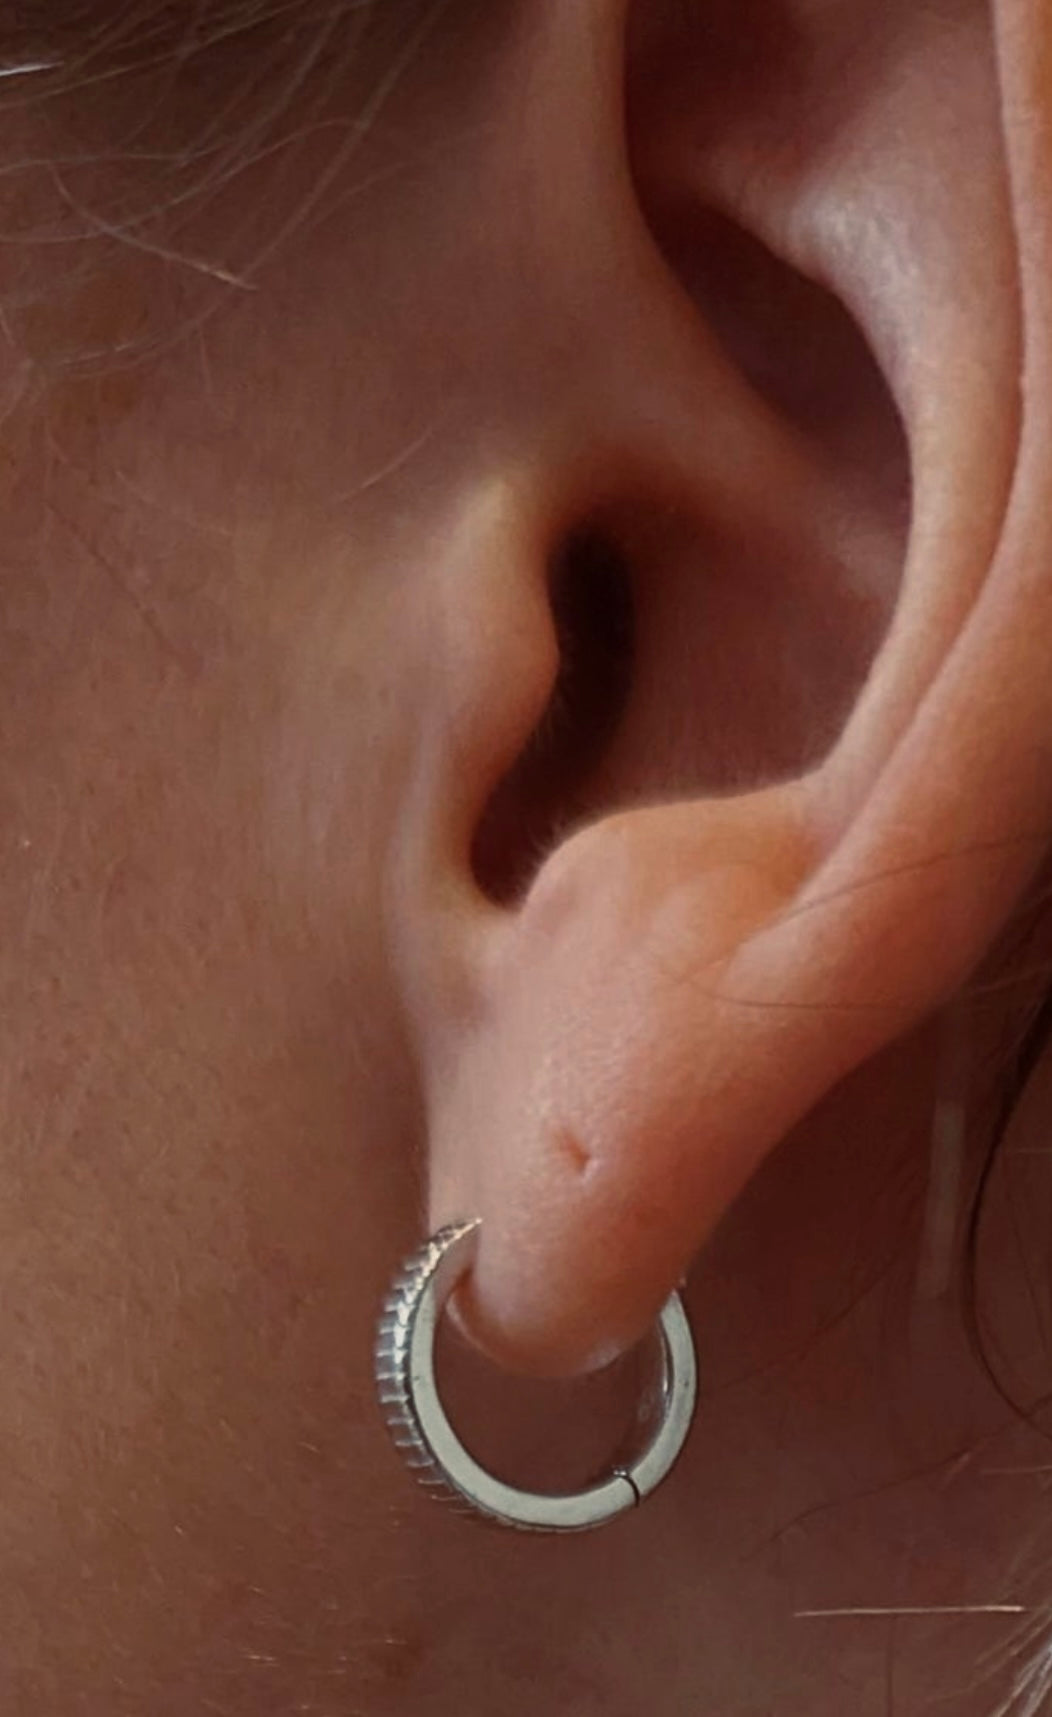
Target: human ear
624, 990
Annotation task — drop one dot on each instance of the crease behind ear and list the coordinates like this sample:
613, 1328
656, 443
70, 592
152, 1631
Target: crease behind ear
684, 979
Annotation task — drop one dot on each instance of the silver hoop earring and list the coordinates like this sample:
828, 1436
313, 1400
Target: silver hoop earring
409, 1400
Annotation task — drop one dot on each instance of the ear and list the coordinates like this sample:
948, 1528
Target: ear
624, 989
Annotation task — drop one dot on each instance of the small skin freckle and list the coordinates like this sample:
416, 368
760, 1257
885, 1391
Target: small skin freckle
574, 1151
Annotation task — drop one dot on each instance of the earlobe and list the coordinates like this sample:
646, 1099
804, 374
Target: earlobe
684, 976
606, 1106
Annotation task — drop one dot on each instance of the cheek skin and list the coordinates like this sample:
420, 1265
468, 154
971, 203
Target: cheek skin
200, 1106
208, 1117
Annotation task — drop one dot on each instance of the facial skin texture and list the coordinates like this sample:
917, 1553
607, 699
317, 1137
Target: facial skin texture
276, 622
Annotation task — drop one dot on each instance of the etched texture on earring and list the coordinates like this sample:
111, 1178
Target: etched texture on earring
393, 1360
421, 1431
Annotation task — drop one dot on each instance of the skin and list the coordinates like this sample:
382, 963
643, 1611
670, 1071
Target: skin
276, 623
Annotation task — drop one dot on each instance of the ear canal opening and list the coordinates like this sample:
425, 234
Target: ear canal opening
558, 773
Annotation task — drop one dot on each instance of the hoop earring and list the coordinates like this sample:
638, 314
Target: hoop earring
416, 1418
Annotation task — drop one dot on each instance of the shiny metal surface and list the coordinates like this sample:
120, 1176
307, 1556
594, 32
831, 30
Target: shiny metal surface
416, 1418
